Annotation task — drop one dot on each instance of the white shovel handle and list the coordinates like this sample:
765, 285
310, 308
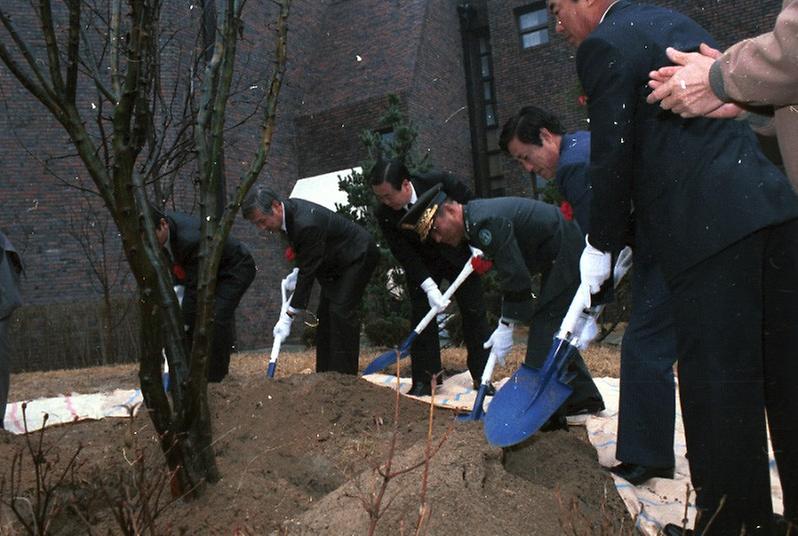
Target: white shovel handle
580, 308
462, 276
286, 301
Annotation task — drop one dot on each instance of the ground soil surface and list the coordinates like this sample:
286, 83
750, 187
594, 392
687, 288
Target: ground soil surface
298, 455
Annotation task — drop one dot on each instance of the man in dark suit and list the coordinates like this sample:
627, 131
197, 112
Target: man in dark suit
10, 300
522, 237
426, 266
338, 253
179, 236
722, 222
539, 143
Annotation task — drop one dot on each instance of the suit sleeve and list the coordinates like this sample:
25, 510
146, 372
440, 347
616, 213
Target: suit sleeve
496, 237
611, 86
764, 70
309, 247
574, 185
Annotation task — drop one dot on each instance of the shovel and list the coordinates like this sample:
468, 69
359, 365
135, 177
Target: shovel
531, 396
277, 340
404, 350
477, 412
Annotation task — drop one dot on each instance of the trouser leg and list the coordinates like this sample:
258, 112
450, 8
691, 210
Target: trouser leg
323, 330
647, 403
718, 320
425, 352
230, 288
471, 301
542, 329
344, 297
781, 356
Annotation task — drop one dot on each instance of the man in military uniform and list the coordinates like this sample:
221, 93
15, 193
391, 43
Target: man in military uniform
425, 266
522, 237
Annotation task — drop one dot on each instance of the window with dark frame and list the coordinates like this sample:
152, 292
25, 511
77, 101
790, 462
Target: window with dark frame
386, 135
488, 93
533, 24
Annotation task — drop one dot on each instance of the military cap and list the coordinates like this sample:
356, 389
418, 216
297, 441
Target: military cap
421, 215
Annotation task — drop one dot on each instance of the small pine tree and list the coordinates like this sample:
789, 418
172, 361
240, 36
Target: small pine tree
386, 312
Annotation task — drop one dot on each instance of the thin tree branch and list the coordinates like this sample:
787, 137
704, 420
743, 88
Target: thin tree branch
41, 90
73, 48
114, 35
51, 44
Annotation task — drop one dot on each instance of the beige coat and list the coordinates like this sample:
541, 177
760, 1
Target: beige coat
764, 71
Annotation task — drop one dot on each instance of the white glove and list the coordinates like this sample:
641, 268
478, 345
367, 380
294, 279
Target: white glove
589, 332
282, 329
289, 281
595, 267
434, 296
500, 341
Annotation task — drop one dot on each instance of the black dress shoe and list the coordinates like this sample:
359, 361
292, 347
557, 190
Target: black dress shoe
672, 529
637, 474
587, 405
420, 389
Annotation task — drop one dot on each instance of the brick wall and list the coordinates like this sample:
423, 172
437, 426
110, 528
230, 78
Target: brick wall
437, 104
546, 75
38, 198
345, 57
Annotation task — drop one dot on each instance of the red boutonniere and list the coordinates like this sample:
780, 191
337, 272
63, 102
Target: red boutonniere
179, 272
567, 210
481, 264
581, 100
289, 254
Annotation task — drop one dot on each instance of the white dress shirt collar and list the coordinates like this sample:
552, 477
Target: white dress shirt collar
608, 10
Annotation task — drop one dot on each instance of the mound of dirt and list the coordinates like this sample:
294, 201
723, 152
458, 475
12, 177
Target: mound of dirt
298, 456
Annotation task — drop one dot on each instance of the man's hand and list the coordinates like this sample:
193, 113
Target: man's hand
500, 341
282, 329
685, 89
595, 267
434, 296
289, 281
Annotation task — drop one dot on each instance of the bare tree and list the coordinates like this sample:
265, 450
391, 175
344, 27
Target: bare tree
133, 139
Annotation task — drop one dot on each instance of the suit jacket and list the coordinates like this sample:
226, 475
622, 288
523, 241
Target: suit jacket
764, 71
421, 260
325, 244
572, 179
524, 237
184, 242
10, 269
697, 185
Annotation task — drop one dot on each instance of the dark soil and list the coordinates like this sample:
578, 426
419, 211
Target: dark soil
298, 456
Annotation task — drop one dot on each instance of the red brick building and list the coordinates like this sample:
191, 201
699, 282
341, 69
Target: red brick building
460, 68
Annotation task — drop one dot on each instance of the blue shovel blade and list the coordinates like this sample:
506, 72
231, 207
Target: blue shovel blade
523, 405
389, 357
